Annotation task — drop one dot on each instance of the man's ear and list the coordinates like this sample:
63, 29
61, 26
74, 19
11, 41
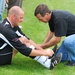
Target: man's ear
14, 16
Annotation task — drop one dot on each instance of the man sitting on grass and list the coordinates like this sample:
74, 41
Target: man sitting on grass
13, 38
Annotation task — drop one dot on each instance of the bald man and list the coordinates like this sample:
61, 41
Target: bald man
11, 37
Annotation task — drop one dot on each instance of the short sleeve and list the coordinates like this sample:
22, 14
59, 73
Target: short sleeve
60, 27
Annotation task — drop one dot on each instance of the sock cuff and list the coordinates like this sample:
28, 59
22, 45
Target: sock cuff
31, 46
37, 57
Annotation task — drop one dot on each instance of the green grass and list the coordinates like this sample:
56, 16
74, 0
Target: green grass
22, 65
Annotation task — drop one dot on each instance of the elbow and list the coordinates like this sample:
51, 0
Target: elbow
58, 40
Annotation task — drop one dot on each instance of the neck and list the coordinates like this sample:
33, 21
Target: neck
10, 22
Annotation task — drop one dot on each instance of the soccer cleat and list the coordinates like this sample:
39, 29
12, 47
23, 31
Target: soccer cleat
55, 60
55, 50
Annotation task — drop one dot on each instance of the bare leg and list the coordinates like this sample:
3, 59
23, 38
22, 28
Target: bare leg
27, 43
14, 52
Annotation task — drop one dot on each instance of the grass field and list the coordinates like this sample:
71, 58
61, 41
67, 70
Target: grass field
36, 30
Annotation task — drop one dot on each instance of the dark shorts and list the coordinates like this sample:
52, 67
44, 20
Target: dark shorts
6, 56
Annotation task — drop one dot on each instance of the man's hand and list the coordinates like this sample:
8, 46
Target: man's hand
49, 52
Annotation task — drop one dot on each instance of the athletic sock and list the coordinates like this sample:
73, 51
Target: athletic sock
43, 60
31, 46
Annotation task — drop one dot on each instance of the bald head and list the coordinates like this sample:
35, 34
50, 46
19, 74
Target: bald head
15, 15
15, 10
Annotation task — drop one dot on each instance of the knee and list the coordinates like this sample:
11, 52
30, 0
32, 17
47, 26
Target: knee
67, 42
70, 40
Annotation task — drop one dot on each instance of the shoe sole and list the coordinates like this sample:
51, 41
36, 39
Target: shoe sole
60, 55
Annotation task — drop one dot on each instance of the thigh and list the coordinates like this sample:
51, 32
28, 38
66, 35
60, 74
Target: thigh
69, 42
5, 55
14, 53
5, 59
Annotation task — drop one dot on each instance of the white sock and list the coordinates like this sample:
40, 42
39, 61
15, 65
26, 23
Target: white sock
31, 46
44, 61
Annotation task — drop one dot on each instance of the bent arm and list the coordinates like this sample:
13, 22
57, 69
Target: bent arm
52, 42
28, 43
41, 52
35, 45
38, 51
48, 37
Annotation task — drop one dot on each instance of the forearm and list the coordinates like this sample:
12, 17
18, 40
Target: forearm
25, 41
41, 53
37, 53
48, 37
35, 45
48, 44
52, 42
